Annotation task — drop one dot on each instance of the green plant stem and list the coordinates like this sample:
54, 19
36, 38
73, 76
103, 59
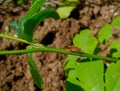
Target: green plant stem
48, 49
20, 40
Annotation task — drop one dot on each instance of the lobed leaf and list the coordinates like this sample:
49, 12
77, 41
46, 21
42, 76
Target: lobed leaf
112, 77
116, 22
88, 76
115, 49
70, 62
85, 42
105, 33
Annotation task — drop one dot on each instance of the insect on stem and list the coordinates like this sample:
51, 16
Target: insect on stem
72, 48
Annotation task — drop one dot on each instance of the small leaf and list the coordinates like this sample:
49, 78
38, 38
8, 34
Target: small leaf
85, 42
66, 7
116, 22
65, 11
70, 63
112, 77
105, 33
115, 49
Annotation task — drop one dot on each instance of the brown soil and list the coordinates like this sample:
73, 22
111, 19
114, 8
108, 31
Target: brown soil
14, 69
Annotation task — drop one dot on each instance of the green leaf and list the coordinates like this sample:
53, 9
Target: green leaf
30, 24
116, 22
105, 33
18, 24
66, 7
88, 76
115, 49
70, 62
35, 74
65, 11
34, 8
112, 77
33, 69
25, 26
85, 42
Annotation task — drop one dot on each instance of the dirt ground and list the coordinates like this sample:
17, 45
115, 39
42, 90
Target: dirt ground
14, 69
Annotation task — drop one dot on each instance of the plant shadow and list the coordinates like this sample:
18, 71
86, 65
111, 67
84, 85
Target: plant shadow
72, 87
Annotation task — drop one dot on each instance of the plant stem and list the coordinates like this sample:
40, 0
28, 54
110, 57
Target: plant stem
48, 49
42, 48
21, 40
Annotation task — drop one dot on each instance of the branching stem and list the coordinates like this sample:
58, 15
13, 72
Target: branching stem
49, 49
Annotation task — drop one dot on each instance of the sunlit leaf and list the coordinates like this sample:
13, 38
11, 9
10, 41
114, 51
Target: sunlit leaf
85, 42
70, 62
66, 7
88, 76
64, 12
105, 33
112, 77
116, 22
115, 49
